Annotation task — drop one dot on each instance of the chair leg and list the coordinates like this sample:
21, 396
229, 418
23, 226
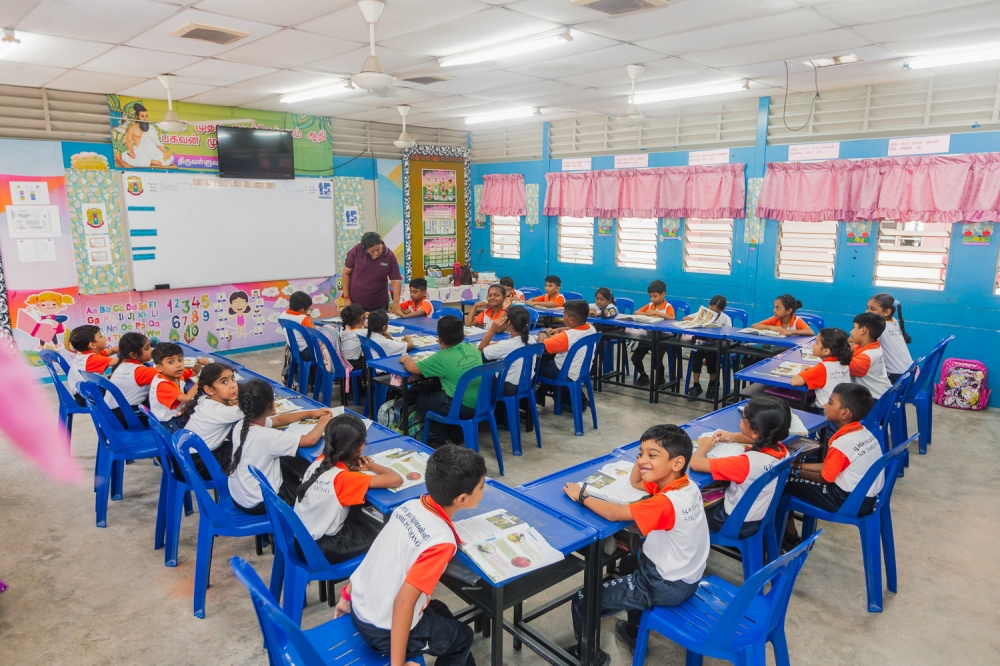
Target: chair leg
69, 427
295, 593
690, 659
642, 641
188, 506
888, 547
117, 478
470, 430
752, 550
162, 506
277, 574
593, 408
576, 403
780, 645
923, 423
871, 552
514, 425
534, 419
496, 440
202, 565
103, 488
173, 528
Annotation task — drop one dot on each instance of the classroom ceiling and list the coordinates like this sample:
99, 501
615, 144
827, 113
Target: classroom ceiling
120, 46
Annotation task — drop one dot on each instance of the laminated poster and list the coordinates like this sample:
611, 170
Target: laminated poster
29, 194
439, 185
33, 221
440, 251
439, 219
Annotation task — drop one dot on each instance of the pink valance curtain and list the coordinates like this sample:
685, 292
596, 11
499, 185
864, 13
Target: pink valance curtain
503, 194
693, 191
938, 188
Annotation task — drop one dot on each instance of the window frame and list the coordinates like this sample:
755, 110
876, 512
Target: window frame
639, 233
506, 222
896, 255
798, 244
573, 246
709, 233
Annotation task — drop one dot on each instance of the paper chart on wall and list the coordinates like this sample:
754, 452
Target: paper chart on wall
33, 221
439, 219
440, 251
34, 250
439, 185
29, 194
99, 250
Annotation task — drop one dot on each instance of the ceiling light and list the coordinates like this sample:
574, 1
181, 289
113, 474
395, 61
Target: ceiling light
503, 115
325, 91
504, 50
845, 59
684, 93
954, 58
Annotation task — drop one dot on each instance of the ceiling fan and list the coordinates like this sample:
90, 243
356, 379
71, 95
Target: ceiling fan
404, 140
372, 76
171, 123
632, 116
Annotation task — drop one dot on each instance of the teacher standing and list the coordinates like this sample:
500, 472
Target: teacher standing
367, 267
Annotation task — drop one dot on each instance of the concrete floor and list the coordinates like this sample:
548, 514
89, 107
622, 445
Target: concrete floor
83, 595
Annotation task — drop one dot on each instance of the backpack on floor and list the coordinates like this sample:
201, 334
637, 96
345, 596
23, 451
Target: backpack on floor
962, 385
389, 415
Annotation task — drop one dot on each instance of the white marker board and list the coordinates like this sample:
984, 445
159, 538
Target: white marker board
198, 230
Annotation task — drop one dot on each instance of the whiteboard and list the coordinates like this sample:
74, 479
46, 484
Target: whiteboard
197, 230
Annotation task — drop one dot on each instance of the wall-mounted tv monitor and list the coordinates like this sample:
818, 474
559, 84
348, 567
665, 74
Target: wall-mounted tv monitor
254, 153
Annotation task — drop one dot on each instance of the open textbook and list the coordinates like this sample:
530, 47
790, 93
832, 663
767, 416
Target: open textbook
423, 340
504, 546
703, 318
419, 356
765, 332
612, 483
474, 331
809, 356
788, 369
305, 426
410, 464
644, 319
720, 449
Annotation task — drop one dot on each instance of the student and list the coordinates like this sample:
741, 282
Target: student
894, 338
551, 298
258, 443
784, 320
448, 365
515, 295
604, 304
867, 366
131, 375
833, 347
494, 306
352, 318
851, 451
378, 332
764, 424
557, 344
167, 388
657, 307
418, 305
299, 304
388, 596
672, 520
213, 414
517, 322
92, 355
333, 490
709, 359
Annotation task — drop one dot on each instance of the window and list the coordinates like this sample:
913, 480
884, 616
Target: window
505, 236
576, 240
708, 246
912, 255
807, 251
637, 242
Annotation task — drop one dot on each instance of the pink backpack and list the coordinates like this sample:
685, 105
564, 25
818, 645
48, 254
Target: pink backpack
962, 385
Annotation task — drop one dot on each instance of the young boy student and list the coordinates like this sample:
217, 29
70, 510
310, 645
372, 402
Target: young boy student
868, 365
166, 392
388, 596
551, 298
92, 355
516, 295
673, 522
657, 307
299, 304
418, 305
448, 365
852, 451
557, 344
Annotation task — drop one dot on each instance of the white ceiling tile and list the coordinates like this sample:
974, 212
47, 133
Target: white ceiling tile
159, 38
392, 61
227, 97
845, 76
957, 42
212, 72
49, 51
275, 12
446, 102
855, 12
373, 115
286, 81
11, 10
568, 99
93, 82
655, 69
290, 48
97, 20
395, 97
528, 90
153, 89
33, 76
398, 18
590, 61
559, 11
482, 81
830, 42
328, 108
703, 78
777, 67
946, 22
493, 26
138, 62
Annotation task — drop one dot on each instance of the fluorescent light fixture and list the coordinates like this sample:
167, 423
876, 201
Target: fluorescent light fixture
845, 59
953, 58
696, 91
503, 115
504, 50
325, 91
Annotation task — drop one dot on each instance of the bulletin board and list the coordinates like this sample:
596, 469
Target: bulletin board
436, 204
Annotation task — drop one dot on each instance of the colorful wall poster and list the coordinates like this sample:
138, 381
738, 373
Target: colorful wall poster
37, 239
390, 208
439, 219
439, 185
440, 251
29, 193
604, 226
859, 233
670, 228
532, 205
977, 233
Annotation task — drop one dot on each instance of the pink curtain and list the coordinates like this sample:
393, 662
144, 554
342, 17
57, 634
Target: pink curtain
698, 191
937, 188
503, 194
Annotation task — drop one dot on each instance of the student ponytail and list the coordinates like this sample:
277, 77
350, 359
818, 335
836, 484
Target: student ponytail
790, 302
902, 326
770, 419
520, 321
887, 302
208, 376
377, 321
256, 400
342, 440
838, 343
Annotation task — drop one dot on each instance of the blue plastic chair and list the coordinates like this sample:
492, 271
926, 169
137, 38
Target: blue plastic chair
585, 346
881, 413
625, 305
486, 403
68, 406
298, 369
290, 570
815, 321
921, 394
450, 311
372, 351
437, 305
681, 308
220, 518
530, 292
532, 317
875, 528
175, 493
727, 622
739, 317
115, 446
530, 355
333, 643
752, 547
572, 296
323, 383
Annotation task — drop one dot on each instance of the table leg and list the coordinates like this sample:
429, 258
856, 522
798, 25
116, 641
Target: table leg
718, 375
370, 397
654, 343
404, 412
590, 637
496, 611
518, 613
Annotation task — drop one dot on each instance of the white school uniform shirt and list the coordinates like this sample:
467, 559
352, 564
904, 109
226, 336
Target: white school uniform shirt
390, 346
418, 533
502, 349
85, 362
213, 421
741, 471
133, 379
350, 346
159, 397
324, 507
560, 344
676, 530
298, 318
262, 448
824, 377
868, 369
852, 451
895, 353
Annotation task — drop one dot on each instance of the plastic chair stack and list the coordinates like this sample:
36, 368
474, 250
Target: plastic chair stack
68, 406
319, 342
174, 494
378, 390
921, 394
529, 356
585, 346
298, 369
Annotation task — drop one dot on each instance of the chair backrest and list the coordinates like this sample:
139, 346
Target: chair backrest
781, 573
625, 305
262, 598
318, 342
109, 427
572, 295
486, 400
880, 416
55, 364
738, 315
929, 366
372, 349
163, 439
585, 346
815, 321
293, 329
889, 463
288, 529
777, 474
183, 442
132, 422
450, 311
681, 308
530, 292
530, 356
532, 317
437, 305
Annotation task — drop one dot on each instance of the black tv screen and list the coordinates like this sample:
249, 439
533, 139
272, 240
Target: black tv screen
253, 153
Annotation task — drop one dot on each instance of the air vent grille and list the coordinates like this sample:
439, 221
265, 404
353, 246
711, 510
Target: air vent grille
618, 7
209, 33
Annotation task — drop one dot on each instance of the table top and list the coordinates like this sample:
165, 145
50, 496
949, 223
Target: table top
760, 373
789, 341
729, 419
384, 499
214, 357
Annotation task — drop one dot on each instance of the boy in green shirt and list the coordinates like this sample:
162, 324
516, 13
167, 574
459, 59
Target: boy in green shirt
448, 365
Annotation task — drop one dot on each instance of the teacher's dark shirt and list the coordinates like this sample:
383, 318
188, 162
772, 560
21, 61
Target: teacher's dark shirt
370, 277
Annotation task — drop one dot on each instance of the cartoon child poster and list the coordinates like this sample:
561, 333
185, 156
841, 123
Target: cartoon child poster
41, 319
239, 306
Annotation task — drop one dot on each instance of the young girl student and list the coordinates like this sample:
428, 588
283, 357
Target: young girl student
333, 490
764, 424
378, 332
517, 322
784, 320
131, 375
213, 413
707, 358
894, 338
495, 305
353, 318
257, 442
833, 346
604, 304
